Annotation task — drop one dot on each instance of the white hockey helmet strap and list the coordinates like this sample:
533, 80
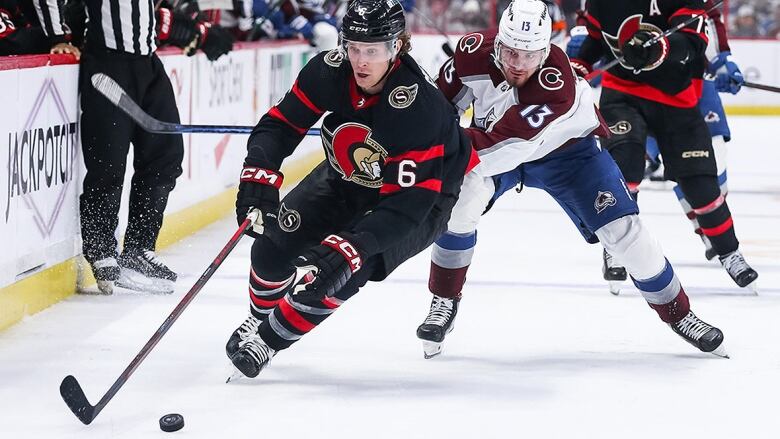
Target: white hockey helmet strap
525, 25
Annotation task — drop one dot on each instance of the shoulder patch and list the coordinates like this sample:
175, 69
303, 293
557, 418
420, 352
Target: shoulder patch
471, 42
403, 96
550, 78
334, 58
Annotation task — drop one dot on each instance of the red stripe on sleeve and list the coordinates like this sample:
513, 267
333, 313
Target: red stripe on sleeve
432, 184
688, 11
473, 161
305, 99
701, 35
295, 319
592, 20
275, 113
433, 152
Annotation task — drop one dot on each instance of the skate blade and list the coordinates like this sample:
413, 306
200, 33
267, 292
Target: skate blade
103, 288
615, 286
236, 375
431, 349
133, 280
720, 351
753, 287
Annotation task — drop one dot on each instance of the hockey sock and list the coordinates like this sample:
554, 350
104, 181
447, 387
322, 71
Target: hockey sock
291, 320
710, 210
661, 289
675, 310
450, 260
264, 294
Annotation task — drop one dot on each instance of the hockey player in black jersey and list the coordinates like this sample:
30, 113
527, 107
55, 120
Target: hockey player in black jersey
396, 158
655, 90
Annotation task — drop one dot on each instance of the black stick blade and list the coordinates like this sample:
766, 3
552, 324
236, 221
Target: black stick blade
75, 399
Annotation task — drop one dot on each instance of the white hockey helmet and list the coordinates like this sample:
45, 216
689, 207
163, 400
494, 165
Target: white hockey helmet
525, 25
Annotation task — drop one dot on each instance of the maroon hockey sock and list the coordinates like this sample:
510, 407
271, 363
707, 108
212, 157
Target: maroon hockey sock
447, 282
675, 310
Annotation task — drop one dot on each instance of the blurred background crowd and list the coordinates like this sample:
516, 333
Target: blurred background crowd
317, 21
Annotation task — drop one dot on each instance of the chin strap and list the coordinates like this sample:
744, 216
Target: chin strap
387, 72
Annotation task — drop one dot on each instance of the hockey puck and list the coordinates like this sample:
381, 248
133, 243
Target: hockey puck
172, 422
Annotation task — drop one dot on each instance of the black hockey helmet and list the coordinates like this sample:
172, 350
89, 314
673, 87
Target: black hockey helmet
372, 21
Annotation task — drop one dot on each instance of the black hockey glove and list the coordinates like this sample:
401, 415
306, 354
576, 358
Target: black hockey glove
332, 263
215, 40
639, 57
258, 189
176, 29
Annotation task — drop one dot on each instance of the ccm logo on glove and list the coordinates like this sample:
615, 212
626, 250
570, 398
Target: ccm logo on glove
346, 249
262, 176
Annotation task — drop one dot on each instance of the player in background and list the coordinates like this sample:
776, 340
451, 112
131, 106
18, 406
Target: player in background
723, 75
127, 53
534, 124
656, 90
396, 157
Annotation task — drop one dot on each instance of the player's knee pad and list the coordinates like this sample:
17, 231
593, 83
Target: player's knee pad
475, 194
632, 245
326, 37
454, 250
269, 262
699, 190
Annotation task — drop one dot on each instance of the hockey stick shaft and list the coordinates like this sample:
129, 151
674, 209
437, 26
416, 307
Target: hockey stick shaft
655, 39
447, 46
71, 390
761, 87
106, 86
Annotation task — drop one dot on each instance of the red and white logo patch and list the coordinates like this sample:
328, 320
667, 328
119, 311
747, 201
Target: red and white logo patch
262, 176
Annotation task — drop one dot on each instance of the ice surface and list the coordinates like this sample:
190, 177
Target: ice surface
540, 350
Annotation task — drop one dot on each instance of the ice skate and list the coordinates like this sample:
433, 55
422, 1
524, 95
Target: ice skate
613, 273
241, 333
437, 325
106, 272
739, 270
253, 355
701, 334
143, 271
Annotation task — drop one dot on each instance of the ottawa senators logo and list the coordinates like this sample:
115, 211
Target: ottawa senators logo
628, 28
352, 152
334, 58
402, 96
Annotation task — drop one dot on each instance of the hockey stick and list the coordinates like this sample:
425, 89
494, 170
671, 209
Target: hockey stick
761, 86
114, 93
655, 39
447, 46
71, 390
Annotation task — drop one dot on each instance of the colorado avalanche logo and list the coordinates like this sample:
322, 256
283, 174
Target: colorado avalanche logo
627, 29
354, 154
471, 42
604, 199
550, 78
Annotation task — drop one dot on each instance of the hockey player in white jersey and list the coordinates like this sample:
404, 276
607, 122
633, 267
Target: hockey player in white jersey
534, 124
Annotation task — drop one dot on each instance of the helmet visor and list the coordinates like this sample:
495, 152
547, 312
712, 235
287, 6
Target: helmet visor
358, 51
519, 59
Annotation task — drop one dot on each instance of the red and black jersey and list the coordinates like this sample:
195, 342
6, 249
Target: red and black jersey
18, 34
393, 154
676, 81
